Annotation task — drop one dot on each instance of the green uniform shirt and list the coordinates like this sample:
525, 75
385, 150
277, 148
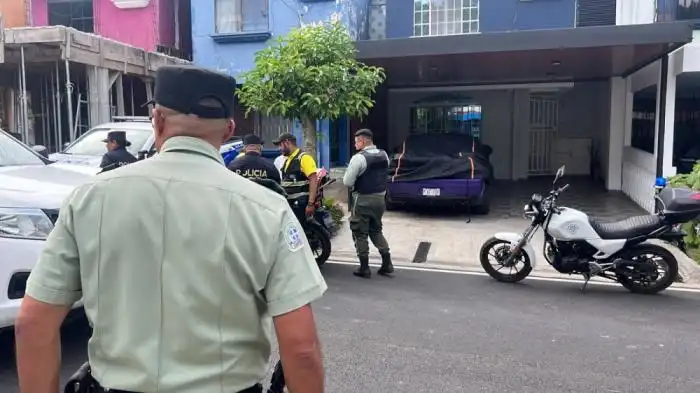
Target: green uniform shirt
180, 264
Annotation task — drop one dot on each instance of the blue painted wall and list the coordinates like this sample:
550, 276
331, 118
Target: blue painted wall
237, 57
495, 15
509, 15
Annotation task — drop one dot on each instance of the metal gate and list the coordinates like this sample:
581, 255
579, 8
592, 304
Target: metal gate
270, 127
544, 118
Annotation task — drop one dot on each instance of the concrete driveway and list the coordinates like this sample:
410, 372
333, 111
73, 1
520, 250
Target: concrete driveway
455, 243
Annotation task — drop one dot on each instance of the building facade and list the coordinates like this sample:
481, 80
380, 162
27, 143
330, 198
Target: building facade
226, 35
567, 103
83, 62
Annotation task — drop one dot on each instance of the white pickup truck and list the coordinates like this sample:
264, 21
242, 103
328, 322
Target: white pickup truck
31, 191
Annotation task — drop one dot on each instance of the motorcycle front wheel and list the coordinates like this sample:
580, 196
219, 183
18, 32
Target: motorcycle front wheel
652, 269
499, 250
320, 243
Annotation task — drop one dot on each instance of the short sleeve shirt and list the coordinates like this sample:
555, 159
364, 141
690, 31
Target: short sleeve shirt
180, 264
308, 165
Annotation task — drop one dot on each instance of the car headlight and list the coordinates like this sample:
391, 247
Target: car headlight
24, 223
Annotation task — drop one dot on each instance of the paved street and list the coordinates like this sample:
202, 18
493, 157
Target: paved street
439, 332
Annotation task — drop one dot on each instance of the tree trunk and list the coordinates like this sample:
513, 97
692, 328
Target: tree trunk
308, 127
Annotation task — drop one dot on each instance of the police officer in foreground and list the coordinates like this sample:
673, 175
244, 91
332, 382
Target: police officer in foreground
366, 176
181, 265
299, 177
117, 155
253, 164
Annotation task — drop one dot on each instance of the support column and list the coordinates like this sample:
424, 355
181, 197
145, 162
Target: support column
117, 81
665, 120
98, 93
616, 132
669, 121
149, 93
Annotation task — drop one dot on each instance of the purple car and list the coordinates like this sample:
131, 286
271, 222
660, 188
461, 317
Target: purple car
447, 169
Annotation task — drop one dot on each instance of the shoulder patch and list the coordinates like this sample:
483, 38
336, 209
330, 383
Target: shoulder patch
293, 237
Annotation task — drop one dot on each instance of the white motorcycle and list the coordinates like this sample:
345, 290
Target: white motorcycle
578, 244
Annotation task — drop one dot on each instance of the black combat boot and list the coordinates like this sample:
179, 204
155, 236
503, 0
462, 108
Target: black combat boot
387, 267
363, 271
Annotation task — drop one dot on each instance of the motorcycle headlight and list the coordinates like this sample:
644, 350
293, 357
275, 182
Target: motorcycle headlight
24, 223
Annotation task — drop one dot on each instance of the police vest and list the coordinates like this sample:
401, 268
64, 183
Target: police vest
374, 179
294, 181
259, 173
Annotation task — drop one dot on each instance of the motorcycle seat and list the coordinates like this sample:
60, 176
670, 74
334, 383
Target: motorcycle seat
626, 229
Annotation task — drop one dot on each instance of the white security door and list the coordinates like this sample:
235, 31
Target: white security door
544, 118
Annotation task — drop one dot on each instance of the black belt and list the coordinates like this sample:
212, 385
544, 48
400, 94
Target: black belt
253, 389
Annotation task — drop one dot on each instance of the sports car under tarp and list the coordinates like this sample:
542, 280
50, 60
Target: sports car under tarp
430, 168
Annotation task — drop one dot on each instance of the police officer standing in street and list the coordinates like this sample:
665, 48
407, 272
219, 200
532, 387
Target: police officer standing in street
299, 177
252, 164
367, 177
181, 265
117, 155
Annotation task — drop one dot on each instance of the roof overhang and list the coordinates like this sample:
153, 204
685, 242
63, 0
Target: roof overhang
575, 54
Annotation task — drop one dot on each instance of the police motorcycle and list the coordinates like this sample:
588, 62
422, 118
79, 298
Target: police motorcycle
578, 244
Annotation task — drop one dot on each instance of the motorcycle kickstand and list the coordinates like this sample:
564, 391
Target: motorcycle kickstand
587, 278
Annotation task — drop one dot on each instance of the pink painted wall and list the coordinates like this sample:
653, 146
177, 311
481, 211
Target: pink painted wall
40, 13
141, 27
137, 26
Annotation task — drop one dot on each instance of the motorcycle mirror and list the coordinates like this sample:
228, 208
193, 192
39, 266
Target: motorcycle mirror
560, 173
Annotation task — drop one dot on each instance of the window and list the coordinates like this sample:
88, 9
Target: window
91, 143
447, 119
72, 13
688, 9
13, 153
445, 17
241, 16
644, 119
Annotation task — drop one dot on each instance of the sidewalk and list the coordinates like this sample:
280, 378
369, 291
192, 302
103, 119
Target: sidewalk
455, 244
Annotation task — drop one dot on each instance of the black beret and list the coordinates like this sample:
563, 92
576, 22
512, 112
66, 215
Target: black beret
184, 87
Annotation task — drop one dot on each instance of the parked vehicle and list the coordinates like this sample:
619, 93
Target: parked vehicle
578, 244
32, 189
446, 169
88, 149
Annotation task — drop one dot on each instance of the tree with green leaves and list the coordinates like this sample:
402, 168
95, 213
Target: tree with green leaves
309, 74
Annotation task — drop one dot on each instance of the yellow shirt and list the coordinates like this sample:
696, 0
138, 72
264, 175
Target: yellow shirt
180, 264
308, 165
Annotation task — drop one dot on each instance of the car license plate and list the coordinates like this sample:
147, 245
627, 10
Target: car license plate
431, 192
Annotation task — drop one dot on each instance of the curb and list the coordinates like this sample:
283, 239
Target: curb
539, 274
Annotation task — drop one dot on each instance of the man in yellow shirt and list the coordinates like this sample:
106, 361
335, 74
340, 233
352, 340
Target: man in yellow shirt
299, 176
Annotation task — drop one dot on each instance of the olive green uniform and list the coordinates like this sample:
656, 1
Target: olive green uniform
181, 264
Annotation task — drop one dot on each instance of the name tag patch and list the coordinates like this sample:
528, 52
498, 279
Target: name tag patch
293, 237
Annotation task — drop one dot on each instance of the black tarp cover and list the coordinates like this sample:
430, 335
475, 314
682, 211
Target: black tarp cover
441, 156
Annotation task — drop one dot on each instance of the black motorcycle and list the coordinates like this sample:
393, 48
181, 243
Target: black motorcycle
317, 228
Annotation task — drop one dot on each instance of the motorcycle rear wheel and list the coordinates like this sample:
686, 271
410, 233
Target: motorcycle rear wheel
642, 285
320, 243
500, 249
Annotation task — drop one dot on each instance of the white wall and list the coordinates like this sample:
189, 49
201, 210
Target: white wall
583, 113
630, 12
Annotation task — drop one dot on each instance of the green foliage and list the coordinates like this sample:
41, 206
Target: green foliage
336, 210
690, 180
311, 73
